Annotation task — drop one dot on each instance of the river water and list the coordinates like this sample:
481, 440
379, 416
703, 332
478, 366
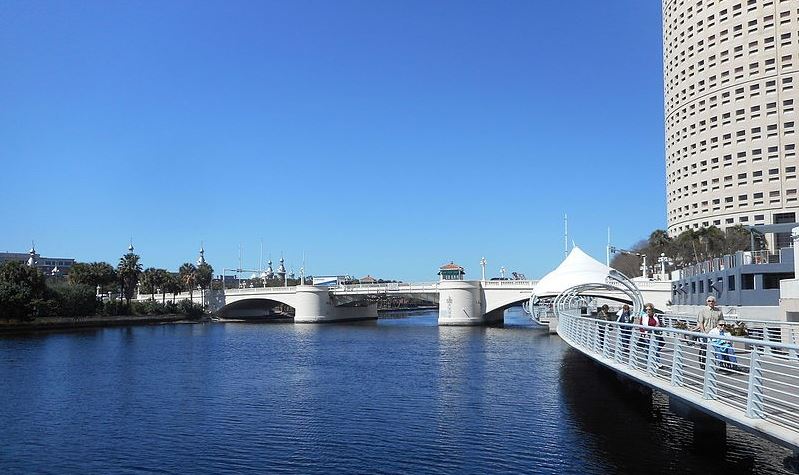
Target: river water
400, 395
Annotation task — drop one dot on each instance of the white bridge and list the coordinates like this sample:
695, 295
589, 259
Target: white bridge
460, 302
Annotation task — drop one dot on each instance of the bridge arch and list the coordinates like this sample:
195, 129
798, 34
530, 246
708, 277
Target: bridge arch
256, 307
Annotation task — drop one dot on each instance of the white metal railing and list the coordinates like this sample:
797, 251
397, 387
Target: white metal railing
509, 283
261, 290
758, 379
769, 331
386, 287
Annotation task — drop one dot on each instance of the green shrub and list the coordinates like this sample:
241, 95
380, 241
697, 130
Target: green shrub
171, 307
113, 308
76, 300
191, 309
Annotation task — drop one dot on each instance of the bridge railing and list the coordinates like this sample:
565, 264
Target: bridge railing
387, 287
757, 379
509, 283
260, 290
762, 330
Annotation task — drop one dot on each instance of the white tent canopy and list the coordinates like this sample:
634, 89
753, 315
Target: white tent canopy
577, 269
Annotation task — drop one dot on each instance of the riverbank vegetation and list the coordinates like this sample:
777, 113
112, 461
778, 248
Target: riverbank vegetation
90, 290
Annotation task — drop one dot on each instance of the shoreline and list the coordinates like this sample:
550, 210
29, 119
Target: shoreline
8, 327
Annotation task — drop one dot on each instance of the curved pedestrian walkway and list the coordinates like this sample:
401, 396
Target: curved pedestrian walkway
754, 386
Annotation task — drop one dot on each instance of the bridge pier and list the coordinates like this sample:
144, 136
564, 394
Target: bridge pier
460, 303
313, 305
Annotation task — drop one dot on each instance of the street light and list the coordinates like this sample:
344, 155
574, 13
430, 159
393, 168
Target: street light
483, 263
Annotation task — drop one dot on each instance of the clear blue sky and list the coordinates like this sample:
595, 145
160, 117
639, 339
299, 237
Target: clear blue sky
377, 137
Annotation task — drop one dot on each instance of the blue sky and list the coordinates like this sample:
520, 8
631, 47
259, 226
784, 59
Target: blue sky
374, 137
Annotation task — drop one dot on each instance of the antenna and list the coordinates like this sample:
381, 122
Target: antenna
261, 259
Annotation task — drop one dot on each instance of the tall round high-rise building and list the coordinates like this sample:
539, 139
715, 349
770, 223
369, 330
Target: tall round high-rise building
731, 91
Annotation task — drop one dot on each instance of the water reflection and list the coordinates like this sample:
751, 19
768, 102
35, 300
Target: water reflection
634, 432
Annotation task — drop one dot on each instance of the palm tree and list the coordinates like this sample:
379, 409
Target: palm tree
128, 271
172, 285
205, 273
188, 277
148, 279
160, 279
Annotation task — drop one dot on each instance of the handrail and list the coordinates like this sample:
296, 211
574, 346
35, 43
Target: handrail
753, 383
509, 283
257, 290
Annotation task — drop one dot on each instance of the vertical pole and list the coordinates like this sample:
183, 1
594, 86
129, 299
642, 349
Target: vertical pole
677, 362
651, 368
709, 385
617, 351
754, 392
607, 250
565, 235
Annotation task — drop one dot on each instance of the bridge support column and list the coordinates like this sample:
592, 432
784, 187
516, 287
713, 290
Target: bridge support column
460, 303
313, 305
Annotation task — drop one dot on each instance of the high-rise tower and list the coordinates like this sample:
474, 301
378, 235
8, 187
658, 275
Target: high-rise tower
731, 89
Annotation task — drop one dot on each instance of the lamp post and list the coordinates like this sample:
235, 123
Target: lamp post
663, 260
483, 263
502, 272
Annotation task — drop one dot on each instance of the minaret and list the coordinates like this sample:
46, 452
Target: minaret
270, 274
281, 271
201, 259
32, 254
130, 247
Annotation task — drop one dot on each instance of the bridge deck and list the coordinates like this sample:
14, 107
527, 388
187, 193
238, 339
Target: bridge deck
759, 391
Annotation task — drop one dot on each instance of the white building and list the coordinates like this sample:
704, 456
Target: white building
731, 91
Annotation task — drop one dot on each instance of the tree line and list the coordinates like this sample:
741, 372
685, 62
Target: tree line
689, 247
26, 293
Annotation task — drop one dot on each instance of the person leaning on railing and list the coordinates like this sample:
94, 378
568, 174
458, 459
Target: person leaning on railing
706, 320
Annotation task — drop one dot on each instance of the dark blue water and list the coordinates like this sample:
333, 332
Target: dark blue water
398, 396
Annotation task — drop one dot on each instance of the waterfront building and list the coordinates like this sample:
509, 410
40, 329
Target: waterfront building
368, 279
33, 259
730, 95
451, 271
746, 284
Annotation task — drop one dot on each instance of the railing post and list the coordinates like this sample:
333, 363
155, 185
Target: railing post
632, 360
606, 340
617, 352
650, 355
754, 393
678, 362
709, 387
792, 353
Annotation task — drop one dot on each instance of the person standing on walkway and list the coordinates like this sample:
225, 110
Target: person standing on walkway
624, 316
651, 320
706, 320
603, 315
